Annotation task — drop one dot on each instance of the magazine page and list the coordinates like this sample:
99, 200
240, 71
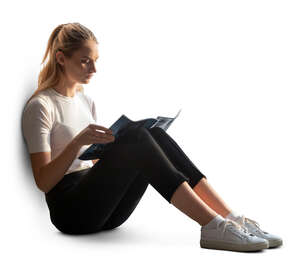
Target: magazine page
118, 127
165, 122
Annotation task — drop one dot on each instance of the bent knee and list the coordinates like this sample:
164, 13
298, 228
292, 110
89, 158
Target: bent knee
140, 133
143, 134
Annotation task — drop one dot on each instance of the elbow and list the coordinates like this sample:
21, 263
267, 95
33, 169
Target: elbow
39, 185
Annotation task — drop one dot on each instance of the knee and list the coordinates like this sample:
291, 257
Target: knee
143, 134
140, 133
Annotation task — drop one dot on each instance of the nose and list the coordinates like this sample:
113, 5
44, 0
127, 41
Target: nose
93, 68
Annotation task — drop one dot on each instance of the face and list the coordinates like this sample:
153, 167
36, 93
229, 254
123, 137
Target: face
81, 66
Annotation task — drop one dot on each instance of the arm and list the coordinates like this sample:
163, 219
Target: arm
36, 125
48, 173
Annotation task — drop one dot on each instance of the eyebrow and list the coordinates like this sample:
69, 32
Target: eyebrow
90, 58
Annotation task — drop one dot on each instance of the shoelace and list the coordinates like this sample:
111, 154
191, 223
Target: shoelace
255, 223
235, 224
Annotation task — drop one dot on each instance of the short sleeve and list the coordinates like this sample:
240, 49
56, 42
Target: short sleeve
94, 111
36, 126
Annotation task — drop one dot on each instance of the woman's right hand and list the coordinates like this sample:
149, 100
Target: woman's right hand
94, 134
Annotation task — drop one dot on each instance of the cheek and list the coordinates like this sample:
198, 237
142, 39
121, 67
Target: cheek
77, 69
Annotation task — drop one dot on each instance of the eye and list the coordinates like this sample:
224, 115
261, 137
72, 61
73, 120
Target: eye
85, 61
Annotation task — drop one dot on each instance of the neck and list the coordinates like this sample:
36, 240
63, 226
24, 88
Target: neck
66, 88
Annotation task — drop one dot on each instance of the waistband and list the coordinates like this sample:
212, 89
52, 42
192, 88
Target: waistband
65, 183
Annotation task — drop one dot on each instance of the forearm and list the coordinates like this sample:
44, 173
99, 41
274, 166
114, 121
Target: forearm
54, 171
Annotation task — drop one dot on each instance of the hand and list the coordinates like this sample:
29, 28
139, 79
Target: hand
94, 134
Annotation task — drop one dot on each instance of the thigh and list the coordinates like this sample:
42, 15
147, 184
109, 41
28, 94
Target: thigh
96, 195
128, 203
94, 198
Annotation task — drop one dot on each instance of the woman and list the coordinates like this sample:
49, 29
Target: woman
60, 121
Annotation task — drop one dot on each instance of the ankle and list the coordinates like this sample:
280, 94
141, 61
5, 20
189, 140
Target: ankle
213, 223
206, 220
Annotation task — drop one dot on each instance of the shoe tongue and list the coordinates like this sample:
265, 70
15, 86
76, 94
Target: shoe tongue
240, 220
231, 222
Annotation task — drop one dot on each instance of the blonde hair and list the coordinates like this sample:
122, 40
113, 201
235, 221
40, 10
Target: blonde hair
67, 38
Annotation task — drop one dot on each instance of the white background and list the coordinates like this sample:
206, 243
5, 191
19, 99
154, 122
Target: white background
232, 66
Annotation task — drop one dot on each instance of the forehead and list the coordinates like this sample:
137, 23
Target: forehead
90, 49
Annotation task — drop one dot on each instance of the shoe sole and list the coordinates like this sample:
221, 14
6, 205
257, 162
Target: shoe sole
210, 244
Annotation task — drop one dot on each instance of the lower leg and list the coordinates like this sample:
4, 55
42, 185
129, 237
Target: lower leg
197, 179
205, 191
187, 201
177, 156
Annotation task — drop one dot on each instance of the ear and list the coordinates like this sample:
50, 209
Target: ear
60, 57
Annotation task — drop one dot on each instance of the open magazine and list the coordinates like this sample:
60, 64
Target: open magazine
95, 150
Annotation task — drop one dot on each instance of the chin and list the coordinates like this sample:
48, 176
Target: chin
85, 81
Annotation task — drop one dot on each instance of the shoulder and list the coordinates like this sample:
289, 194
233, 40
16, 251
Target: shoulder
38, 102
42, 97
38, 106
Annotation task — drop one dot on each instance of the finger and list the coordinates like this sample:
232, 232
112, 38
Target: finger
102, 134
99, 136
94, 136
103, 141
98, 127
107, 132
103, 138
99, 133
107, 138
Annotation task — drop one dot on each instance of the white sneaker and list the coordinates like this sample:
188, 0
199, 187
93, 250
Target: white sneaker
228, 235
253, 227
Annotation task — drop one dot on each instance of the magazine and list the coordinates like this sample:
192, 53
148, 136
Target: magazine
95, 150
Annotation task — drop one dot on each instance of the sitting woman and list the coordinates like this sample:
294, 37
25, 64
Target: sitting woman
59, 123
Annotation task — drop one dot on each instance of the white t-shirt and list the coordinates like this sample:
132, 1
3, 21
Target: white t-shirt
51, 120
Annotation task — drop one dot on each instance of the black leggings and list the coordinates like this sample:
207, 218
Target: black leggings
104, 196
